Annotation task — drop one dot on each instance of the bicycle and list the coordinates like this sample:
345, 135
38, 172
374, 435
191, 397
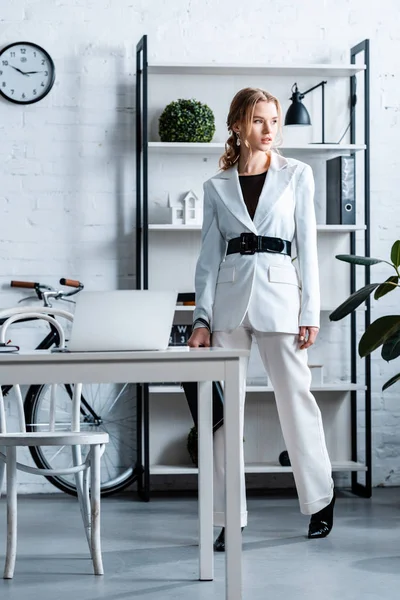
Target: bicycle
106, 407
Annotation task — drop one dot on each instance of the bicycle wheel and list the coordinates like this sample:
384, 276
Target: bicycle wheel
104, 407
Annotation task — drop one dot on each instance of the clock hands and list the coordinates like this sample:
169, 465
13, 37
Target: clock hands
26, 72
19, 70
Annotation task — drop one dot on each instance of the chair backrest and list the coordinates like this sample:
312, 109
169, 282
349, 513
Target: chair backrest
14, 315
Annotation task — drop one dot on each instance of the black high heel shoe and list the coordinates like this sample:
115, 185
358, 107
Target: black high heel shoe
219, 544
321, 522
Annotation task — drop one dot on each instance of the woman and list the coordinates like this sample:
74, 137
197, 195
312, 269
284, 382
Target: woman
246, 284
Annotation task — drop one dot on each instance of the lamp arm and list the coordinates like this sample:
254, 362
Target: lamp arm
321, 84
297, 96
314, 88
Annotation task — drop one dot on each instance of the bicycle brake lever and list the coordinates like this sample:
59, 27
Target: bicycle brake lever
27, 298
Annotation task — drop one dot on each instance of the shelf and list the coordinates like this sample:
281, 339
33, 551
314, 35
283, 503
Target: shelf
344, 465
340, 228
173, 470
165, 389
171, 227
182, 308
332, 308
218, 147
320, 70
334, 387
179, 308
321, 228
187, 147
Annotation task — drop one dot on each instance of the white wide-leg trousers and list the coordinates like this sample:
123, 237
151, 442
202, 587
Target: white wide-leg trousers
299, 416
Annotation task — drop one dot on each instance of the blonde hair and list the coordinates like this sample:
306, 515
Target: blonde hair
242, 110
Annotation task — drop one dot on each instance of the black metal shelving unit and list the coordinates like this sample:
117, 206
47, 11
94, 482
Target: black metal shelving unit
142, 254
358, 488
142, 279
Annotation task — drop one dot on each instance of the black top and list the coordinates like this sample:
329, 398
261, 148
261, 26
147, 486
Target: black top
251, 189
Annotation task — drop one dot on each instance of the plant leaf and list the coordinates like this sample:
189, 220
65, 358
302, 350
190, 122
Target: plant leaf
385, 288
395, 253
352, 302
359, 260
391, 348
377, 333
390, 382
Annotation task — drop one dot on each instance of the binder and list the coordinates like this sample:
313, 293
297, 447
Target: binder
340, 191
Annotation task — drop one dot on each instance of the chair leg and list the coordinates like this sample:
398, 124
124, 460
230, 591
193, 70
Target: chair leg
84, 503
95, 505
87, 507
11, 512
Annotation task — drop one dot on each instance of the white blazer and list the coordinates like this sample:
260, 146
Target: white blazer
284, 293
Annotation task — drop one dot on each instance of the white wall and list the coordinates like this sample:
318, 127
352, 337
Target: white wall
67, 163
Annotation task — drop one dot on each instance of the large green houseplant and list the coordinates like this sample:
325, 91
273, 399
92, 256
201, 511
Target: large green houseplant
385, 331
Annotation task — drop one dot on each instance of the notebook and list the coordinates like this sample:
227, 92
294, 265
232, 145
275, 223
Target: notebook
122, 320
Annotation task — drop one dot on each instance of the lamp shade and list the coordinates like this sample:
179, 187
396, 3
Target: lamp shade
297, 114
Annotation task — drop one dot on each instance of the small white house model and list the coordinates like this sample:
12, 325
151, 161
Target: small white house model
176, 213
192, 209
183, 211
186, 209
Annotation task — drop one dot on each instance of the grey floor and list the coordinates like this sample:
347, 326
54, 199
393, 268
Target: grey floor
150, 551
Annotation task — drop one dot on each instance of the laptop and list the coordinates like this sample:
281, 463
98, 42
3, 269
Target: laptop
122, 320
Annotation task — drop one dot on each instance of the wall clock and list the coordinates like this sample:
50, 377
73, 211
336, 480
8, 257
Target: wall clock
27, 72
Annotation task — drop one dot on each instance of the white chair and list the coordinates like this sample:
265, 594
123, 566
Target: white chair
89, 501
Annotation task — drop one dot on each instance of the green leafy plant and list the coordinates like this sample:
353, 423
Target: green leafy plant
186, 121
385, 331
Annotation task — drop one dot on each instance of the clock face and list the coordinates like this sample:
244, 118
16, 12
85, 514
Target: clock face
26, 73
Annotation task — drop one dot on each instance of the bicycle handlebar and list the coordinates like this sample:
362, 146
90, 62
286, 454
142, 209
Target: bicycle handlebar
46, 292
24, 284
70, 282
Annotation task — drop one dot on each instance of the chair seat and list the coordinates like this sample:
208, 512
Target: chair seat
53, 438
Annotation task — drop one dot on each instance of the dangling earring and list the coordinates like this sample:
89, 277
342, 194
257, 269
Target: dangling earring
237, 140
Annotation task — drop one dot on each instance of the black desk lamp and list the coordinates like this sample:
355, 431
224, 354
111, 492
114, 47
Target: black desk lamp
297, 114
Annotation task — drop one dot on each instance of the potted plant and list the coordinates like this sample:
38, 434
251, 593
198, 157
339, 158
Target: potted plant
186, 121
384, 331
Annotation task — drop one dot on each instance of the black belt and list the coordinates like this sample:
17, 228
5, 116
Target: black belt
250, 243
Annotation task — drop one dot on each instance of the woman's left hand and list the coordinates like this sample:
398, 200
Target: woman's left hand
307, 336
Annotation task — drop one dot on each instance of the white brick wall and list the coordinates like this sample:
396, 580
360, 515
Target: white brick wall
67, 163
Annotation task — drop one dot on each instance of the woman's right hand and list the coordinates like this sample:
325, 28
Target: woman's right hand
200, 338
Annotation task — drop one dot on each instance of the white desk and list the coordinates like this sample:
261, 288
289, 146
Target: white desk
175, 364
